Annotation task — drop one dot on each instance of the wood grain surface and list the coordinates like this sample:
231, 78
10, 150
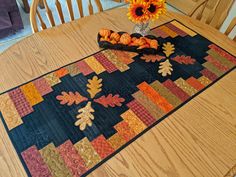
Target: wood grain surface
198, 140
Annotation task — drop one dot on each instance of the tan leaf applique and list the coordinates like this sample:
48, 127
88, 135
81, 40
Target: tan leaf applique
85, 117
168, 49
94, 86
152, 58
165, 68
70, 98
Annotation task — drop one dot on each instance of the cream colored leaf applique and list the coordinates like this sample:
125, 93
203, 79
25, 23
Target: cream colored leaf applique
85, 117
152, 58
165, 68
168, 49
70, 98
94, 86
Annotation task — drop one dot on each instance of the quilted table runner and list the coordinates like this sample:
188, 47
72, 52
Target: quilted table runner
71, 120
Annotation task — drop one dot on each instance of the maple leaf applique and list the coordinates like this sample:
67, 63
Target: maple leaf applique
70, 98
94, 86
168, 49
187, 60
152, 58
165, 68
110, 100
85, 117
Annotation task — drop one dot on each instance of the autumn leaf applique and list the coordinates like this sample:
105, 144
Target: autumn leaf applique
85, 117
110, 100
94, 86
187, 60
70, 98
165, 68
152, 58
168, 49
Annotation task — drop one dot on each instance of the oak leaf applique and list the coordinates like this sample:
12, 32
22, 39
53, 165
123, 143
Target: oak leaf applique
94, 86
85, 117
152, 58
187, 60
71, 98
165, 68
168, 49
110, 100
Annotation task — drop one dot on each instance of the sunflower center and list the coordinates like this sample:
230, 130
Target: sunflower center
152, 8
139, 11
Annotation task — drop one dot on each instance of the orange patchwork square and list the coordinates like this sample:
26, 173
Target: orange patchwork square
125, 131
155, 97
116, 141
133, 121
195, 83
61, 72
31, 93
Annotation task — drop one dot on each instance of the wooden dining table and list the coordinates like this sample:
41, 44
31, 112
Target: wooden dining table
199, 139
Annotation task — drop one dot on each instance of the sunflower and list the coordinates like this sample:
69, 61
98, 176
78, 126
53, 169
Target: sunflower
138, 11
156, 8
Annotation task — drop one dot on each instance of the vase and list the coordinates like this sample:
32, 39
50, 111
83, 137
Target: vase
142, 28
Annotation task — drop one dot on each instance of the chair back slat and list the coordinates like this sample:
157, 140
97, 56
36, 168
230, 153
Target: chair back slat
198, 5
58, 6
70, 9
59, 10
200, 14
90, 7
43, 25
49, 13
80, 7
231, 26
99, 5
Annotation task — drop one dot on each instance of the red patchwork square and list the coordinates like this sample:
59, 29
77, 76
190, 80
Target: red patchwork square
72, 158
109, 66
210, 75
22, 105
42, 86
102, 147
84, 68
182, 95
141, 112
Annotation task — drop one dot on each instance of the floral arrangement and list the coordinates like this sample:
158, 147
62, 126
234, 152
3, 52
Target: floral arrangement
141, 11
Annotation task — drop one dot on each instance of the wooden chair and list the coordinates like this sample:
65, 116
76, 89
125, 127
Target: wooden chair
35, 13
214, 13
